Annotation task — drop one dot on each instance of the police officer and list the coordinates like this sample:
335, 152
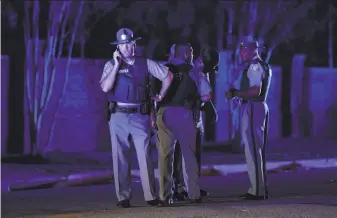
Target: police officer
175, 121
125, 79
253, 92
208, 60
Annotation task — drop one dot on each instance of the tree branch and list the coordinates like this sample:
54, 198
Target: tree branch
36, 14
100, 15
29, 55
63, 30
285, 29
51, 48
80, 10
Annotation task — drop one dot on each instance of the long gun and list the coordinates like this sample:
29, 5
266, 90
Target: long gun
154, 107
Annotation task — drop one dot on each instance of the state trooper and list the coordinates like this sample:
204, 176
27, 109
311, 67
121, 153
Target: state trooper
125, 81
175, 121
252, 91
207, 61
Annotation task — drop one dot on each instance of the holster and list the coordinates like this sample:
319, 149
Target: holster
190, 104
145, 109
196, 111
111, 109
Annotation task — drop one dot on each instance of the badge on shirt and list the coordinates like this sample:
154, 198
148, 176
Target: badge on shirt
124, 71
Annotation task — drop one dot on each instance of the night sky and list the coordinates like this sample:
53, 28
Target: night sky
98, 47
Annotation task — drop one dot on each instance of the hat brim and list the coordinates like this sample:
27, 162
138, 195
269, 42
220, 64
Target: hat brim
125, 41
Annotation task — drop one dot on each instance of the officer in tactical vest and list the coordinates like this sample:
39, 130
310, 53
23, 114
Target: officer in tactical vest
175, 121
253, 92
208, 60
125, 80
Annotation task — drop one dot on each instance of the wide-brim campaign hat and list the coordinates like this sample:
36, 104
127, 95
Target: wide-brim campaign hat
124, 35
249, 41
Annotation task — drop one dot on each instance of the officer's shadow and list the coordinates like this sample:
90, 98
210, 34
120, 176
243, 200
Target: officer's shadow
209, 200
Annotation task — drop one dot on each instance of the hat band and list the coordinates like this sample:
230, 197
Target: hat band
125, 40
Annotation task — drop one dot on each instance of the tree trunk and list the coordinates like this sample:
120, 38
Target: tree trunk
39, 81
83, 40
70, 49
269, 53
330, 44
220, 26
32, 41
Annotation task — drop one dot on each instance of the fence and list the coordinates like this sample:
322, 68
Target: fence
81, 120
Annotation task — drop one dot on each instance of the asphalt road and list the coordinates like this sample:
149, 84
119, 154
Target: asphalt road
299, 193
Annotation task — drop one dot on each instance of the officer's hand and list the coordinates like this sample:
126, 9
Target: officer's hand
229, 95
117, 57
157, 98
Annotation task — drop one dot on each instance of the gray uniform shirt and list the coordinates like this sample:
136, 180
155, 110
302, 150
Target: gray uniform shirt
255, 75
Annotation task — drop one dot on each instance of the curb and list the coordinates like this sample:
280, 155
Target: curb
105, 176
225, 169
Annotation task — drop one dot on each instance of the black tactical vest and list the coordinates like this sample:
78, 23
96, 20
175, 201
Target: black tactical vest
183, 91
131, 83
244, 85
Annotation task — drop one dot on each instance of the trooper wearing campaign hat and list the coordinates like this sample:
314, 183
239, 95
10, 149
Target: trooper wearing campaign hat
125, 81
123, 36
252, 91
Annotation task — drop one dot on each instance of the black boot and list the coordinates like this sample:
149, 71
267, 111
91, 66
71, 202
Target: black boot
123, 204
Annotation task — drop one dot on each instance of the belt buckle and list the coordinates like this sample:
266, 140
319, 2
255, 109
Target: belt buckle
129, 110
121, 109
132, 110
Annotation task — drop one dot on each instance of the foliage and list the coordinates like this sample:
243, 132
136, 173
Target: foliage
40, 82
271, 22
69, 22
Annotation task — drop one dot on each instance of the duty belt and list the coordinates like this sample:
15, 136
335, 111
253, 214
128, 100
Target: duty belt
244, 101
127, 110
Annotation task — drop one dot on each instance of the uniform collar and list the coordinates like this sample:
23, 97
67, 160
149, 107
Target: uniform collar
178, 61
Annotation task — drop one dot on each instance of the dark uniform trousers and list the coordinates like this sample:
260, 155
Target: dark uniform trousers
178, 177
177, 123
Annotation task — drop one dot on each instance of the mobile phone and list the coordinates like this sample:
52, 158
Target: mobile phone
117, 49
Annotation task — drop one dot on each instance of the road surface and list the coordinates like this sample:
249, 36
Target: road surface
298, 193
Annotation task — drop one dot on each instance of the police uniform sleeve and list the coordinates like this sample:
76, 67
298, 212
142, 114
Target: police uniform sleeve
255, 74
157, 70
204, 85
107, 69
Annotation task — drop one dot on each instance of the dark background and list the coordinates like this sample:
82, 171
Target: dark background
97, 47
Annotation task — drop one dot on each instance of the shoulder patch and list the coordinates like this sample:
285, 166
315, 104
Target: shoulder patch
255, 66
